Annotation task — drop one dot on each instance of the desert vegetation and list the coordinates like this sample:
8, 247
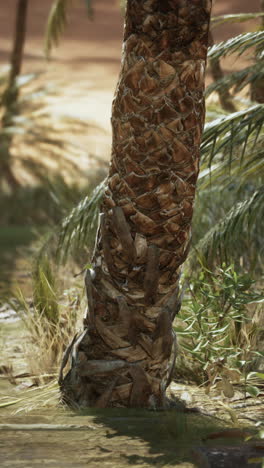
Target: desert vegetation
122, 304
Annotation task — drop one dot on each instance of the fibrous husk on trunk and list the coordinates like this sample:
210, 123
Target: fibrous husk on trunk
123, 357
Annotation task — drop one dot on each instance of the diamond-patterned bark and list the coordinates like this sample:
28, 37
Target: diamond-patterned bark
122, 357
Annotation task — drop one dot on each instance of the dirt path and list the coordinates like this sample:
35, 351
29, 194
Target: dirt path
56, 437
36, 431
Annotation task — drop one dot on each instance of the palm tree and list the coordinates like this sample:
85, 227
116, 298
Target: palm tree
10, 96
122, 358
225, 98
257, 87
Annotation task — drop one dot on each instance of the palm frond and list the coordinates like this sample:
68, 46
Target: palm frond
223, 134
253, 167
238, 45
235, 18
13, 131
240, 172
23, 80
238, 80
81, 222
56, 24
227, 235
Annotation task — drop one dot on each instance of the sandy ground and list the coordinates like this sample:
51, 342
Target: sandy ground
85, 66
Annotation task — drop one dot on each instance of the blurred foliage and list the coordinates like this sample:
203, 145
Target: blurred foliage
237, 45
238, 80
235, 18
31, 125
45, 291
57, 22
235, 236
51, 320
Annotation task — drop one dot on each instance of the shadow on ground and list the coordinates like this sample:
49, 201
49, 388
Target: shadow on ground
158, 438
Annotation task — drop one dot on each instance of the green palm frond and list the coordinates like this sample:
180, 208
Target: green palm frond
222, 174
238, 45
56, 24
81, 222
238, 80
253, 167
235, 18
222, 135
226, 237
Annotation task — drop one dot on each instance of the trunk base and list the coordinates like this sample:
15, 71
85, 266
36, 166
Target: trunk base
110, 382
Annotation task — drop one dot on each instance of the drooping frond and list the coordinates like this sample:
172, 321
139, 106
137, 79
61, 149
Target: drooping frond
238, 45
227, 235
223, 134
239, 79
253, 167
81, 222
222, 173
235, 18
56, 24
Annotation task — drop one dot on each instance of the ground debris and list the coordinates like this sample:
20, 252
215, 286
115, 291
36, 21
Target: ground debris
45, 427
239, 456
241, 410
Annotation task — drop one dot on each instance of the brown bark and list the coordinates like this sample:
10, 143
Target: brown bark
257, 86
261, 8
225, 97
10, 96
123, 355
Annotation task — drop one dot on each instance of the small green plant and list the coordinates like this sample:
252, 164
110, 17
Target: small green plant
45, 291
216, 328
50, 321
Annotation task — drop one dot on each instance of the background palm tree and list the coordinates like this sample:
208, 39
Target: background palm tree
10, 96
257, 86
217, 73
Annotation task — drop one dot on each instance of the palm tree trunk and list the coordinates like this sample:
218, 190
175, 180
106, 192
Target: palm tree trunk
225, 97
122, 358
10, 95
257, 86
